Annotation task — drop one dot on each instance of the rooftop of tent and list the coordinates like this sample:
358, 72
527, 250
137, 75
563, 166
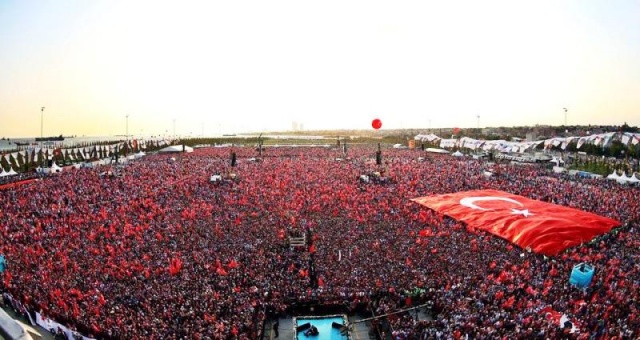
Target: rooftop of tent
176, 148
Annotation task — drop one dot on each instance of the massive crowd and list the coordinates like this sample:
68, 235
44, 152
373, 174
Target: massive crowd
157, 251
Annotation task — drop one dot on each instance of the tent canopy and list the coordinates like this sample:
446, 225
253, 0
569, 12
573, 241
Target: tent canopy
623, 178
176, 148
613, 175
436, 150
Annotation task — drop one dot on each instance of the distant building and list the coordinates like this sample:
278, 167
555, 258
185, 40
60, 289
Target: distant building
531, 136
297, 126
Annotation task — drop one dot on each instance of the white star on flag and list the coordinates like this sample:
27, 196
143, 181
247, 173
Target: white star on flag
524, 212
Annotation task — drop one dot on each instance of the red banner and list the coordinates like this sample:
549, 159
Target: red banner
543, 227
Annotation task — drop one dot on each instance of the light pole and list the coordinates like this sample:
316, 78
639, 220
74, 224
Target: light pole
41, 136
41, 121
565, 115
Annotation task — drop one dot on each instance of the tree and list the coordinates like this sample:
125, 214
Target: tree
626, 128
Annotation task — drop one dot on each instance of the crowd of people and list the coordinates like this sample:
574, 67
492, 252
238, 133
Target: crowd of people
157, 251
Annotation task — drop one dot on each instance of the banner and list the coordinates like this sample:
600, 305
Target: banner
54, 327
542, 227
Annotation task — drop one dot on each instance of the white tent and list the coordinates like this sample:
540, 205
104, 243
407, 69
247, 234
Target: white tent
613, 175
11, 172
55, 168
557, 161
436, 150
140, 154
3, 173
457, 154
630, 179
176, 148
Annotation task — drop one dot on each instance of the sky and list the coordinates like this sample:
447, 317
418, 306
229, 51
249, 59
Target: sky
210, 67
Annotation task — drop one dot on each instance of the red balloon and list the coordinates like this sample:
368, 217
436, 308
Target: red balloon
376, 123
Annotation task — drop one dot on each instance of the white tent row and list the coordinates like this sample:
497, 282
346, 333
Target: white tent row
601, 139
176, 148
623, 178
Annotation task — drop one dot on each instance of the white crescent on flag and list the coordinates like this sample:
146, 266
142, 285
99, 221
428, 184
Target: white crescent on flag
470, 201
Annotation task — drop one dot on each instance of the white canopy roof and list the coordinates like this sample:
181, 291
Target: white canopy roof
436, 150
630, 179
623, 178
54, 168
176, 148
457, 154
11, 172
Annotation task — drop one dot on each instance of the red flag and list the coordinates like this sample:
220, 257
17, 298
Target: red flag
174, 266
544, 227
426, 233
551, 314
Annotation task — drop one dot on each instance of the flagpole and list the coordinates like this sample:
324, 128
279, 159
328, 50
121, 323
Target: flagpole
127, 136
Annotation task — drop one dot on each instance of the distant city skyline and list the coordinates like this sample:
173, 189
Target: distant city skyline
212, 67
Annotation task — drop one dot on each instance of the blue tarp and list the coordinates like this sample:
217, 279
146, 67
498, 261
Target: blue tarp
581, 275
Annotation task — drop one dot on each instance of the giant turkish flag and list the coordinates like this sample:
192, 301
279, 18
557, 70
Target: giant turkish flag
544, 227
